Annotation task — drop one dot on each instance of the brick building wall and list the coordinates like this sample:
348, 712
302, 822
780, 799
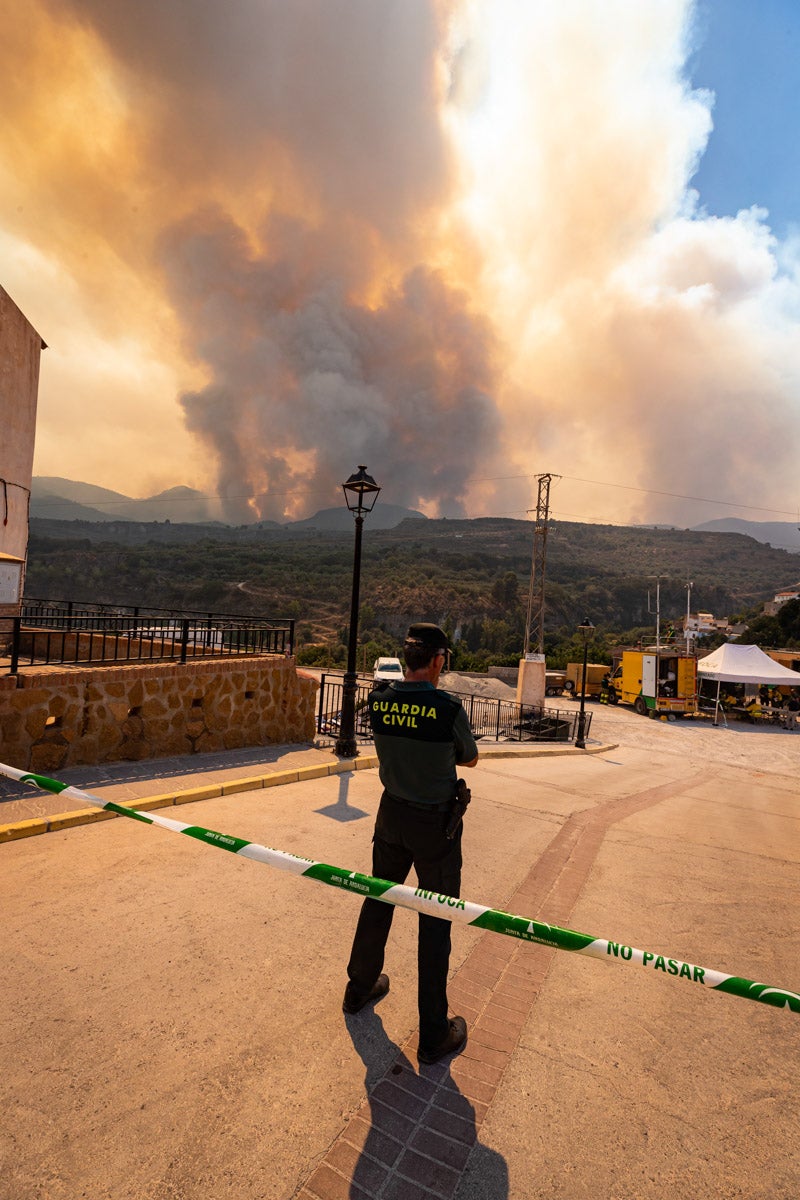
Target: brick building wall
20, 352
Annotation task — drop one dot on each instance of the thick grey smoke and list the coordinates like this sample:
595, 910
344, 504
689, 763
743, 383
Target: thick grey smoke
329, 101
308, 382
306, 138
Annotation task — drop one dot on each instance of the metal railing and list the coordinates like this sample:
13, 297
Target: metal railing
498, 720
65, 633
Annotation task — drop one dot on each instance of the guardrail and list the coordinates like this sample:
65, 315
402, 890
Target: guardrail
33, 608
500, 720
61, 634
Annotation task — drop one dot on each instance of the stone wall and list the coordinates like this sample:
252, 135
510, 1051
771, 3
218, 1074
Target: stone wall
67, 717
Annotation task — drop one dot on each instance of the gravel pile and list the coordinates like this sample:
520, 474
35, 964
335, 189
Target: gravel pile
477, 685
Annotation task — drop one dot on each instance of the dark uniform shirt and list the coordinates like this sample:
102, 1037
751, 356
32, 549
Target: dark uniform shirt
421, 735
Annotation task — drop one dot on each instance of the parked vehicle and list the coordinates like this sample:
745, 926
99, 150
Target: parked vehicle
594, 678
390, 669
655, 682
554, 682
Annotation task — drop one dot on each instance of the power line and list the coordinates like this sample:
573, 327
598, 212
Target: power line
646, 492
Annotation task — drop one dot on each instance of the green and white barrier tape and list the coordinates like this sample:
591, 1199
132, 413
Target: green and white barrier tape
449, 907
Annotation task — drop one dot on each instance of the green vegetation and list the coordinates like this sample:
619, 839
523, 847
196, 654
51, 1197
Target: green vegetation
781, 631
472, 577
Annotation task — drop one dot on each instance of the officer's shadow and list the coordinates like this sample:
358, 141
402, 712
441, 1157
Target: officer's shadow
445, 1132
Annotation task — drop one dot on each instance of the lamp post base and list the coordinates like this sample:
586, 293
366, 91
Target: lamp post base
586, 629
346, 748
346, 744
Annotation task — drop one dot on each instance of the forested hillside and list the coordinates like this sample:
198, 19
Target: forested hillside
472, 576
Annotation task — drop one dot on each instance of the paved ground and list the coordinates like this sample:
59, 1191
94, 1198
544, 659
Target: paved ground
172, 1025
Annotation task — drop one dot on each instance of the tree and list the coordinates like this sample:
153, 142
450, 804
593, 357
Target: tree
789, 621
505, 591
764, 631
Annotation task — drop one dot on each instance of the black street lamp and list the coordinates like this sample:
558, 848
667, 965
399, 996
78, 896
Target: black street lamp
360, 493
585, 629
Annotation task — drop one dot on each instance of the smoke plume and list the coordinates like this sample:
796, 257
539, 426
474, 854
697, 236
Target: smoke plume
455, 240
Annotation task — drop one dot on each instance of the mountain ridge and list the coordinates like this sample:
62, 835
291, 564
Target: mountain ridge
54, 498
782, 535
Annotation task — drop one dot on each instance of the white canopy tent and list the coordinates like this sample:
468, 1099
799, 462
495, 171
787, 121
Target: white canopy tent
732, 663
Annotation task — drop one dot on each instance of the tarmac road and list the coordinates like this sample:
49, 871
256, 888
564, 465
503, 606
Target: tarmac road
172, 1024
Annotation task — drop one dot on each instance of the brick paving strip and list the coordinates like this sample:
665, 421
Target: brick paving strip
412, 1137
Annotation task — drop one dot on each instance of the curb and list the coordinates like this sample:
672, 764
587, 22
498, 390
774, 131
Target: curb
87, 816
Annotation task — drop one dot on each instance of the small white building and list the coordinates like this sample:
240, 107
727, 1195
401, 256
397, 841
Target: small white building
699, 624
782, 597
787, 594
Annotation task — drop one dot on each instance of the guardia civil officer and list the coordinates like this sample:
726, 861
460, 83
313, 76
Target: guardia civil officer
421, 735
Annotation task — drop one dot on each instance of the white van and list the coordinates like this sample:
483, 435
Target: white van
390, 669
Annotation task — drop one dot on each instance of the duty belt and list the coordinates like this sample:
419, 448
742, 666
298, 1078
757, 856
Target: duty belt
420, 807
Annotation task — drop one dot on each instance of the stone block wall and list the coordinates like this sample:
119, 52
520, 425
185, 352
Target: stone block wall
70, 717
508, 675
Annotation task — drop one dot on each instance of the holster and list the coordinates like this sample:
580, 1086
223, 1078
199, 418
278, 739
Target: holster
461, 802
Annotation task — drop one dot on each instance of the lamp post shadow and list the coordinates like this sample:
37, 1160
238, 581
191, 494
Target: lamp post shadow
341, 810
416, 1127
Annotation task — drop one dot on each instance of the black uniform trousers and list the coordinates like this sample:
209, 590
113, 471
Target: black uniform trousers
406, 837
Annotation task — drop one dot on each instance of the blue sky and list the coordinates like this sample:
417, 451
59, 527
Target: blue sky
750, 58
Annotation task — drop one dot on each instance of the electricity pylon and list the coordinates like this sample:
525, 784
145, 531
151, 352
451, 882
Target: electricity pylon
534, 624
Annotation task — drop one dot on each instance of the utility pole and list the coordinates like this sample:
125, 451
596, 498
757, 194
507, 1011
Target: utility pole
689, 586
534, 622
658, 579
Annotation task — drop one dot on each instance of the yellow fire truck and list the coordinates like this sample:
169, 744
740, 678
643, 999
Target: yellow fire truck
655, 681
